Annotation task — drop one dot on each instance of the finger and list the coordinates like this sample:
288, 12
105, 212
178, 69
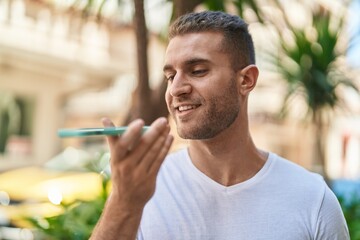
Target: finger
153, 152
149, 138
155, 166
127, 141
107, 122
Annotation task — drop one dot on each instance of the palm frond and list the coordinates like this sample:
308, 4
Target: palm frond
242, 4
215, 5
307, 63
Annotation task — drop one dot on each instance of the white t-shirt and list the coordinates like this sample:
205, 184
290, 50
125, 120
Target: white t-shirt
283, 201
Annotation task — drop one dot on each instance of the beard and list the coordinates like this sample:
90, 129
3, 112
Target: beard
221, 111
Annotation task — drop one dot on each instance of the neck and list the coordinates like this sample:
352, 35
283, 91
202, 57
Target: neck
229, 158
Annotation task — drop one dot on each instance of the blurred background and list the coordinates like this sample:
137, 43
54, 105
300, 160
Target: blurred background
67, 64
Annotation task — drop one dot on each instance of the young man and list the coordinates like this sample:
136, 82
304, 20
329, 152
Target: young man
222, 186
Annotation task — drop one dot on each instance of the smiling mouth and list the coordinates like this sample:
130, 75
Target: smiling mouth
186, 108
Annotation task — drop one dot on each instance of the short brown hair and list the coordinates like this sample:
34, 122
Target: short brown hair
237, 42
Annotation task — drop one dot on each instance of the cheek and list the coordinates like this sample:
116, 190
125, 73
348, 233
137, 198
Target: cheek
167, 97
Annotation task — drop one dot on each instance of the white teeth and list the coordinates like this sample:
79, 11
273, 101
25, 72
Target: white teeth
184, 108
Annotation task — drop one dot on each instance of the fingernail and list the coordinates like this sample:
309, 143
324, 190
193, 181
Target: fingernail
163, 120
105, 121
139, 121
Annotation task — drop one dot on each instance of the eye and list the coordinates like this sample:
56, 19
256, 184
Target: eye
169, 77
199, 72
169, 74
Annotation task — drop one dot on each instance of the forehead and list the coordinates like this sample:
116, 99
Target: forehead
205, 45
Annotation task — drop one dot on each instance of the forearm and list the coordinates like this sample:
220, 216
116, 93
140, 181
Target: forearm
117, 222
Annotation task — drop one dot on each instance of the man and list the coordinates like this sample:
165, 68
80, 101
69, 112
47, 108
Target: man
222, 186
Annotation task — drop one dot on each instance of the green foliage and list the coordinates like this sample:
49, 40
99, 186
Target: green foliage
351, 209
309, 64
252, 4
216, 5
77, 220
241, 5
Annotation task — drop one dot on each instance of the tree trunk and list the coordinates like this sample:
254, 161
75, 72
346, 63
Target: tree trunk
320, 143
146, 103
181, 7
142, 93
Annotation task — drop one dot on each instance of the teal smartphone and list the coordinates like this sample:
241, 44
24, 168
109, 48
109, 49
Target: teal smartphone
83, 132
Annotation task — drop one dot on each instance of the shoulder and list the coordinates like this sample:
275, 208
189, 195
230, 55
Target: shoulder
283, 169
291, 181
310, 192
331, 223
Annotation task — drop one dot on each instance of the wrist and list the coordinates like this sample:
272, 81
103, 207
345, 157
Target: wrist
119, 220
123, 205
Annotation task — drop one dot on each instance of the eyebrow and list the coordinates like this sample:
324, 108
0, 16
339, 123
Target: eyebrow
189, 62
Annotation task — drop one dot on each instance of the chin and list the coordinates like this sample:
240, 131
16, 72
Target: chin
185, 132
199, 133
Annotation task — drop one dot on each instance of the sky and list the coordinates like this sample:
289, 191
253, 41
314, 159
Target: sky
354, 30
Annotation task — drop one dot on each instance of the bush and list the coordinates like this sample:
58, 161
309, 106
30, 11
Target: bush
351, 209
77, 220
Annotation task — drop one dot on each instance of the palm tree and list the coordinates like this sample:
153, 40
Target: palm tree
311, 67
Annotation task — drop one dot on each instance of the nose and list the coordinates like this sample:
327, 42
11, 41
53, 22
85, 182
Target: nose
179, 86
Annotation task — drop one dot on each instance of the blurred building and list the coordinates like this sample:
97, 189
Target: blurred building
65, 71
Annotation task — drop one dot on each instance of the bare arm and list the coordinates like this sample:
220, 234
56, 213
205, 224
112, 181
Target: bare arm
135, 163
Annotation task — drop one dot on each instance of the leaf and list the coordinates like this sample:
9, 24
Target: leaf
215, 5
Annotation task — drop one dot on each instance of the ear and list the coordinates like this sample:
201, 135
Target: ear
247, 79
